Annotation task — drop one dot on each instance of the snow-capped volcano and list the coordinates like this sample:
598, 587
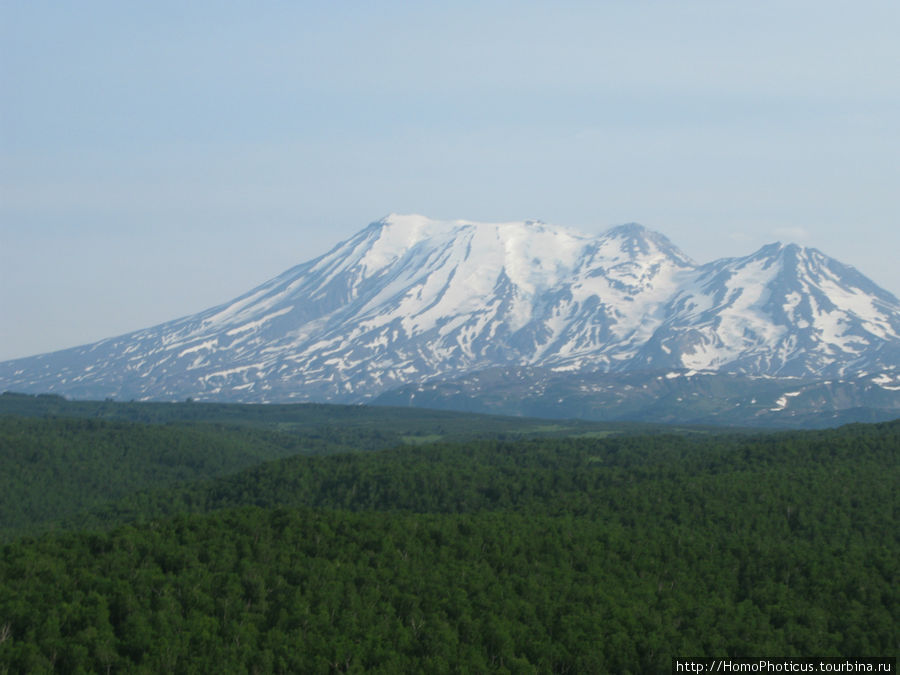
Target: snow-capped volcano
410, 300
783, 310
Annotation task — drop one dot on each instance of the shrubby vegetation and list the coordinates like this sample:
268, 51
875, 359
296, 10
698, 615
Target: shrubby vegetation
572, 555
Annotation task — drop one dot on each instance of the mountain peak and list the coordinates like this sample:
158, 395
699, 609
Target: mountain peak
404, 220
778, 249
638, 239
410, 299
410, 225
629, 229
415, 220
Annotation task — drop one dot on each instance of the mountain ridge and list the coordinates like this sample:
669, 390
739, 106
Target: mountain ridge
410, 300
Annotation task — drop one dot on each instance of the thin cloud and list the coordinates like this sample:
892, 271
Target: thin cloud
792, 233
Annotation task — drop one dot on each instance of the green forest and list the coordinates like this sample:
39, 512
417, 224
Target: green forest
321, 539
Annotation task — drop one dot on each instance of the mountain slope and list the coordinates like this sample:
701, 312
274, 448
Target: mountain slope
683, 397
410, 300
784, 310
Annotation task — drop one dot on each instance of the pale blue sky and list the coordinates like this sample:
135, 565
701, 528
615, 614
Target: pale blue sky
159, 158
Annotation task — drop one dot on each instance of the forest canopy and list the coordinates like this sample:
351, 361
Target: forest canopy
238, 548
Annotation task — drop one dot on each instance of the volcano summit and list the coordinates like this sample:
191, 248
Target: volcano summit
409, 300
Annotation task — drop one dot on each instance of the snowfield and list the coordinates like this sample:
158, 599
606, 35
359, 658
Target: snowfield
410, 300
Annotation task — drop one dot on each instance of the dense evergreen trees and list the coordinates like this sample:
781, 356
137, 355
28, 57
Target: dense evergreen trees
51, 469
371, 426
543, 555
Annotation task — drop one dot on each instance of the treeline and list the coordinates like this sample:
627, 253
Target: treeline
53, 469
544, 555
392, 424
577, 476
63, 462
